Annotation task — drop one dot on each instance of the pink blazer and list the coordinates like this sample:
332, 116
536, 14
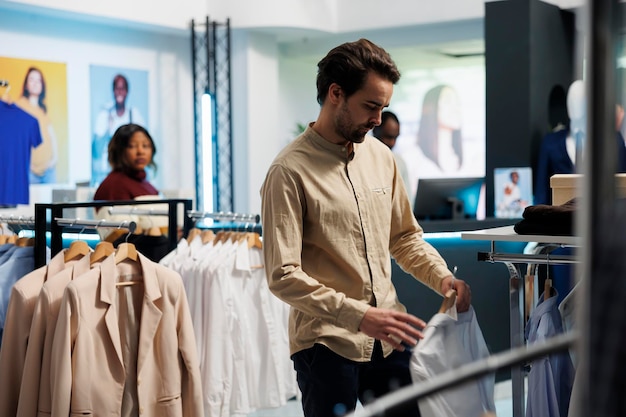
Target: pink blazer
88, 372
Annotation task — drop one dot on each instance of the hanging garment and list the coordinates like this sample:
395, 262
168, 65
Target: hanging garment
34, 396
134, 350
551, 377
14, 265
447, 344
567, 309
249, 367
19, 315
19, 133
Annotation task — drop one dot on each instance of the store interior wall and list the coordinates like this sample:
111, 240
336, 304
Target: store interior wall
273, 55
79, 44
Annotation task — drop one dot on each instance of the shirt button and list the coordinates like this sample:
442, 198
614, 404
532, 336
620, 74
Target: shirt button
138, 381
140, 410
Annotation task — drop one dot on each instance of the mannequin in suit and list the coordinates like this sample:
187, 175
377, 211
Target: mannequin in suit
561, 150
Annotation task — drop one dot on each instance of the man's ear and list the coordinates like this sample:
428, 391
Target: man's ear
335, 93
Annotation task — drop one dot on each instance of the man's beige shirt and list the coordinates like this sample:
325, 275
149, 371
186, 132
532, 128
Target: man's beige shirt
331, 223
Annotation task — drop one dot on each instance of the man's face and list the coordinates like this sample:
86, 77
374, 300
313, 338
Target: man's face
359, 113
120, 91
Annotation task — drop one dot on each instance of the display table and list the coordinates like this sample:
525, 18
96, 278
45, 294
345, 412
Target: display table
540, 254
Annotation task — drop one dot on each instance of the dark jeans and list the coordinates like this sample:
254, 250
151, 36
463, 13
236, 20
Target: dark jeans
331, 384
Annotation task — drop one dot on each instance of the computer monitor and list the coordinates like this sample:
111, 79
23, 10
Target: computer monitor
447, 198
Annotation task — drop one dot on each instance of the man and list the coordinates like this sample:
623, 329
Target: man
112, 116
334, 209
387, 132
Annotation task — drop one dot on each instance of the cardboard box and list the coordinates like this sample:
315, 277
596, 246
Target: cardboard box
567, 186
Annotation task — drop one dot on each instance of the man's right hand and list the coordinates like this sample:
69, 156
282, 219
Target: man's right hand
392, 327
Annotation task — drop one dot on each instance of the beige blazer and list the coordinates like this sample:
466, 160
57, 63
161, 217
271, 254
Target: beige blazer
88, 375
16, 332
35, 391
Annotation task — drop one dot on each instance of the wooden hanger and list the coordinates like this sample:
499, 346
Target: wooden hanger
77, 249
547, 285
193, 233
126, 251
254, 240
207, 236
4, 239
103, 249
236, 236
153, 231
448, 301
116, 234
12, 239
547, 289
25, 241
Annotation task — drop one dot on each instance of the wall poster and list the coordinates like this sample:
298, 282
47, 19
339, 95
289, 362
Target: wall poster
40, 89
118, 96
442, 121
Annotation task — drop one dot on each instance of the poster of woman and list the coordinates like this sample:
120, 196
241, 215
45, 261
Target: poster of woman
40, 89
442, 114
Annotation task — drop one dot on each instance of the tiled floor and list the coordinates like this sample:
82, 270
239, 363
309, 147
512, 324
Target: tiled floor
502, 397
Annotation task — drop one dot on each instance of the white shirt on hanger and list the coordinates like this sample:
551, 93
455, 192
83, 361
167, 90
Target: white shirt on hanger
447, 345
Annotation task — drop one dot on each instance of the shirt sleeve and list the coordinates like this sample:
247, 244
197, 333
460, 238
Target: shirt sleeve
407, 245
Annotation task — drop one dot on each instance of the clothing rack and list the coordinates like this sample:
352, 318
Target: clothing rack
225, 216
545, 244
18, 223
47, 219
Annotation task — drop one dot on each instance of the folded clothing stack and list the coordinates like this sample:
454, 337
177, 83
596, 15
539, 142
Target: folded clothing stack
544, 219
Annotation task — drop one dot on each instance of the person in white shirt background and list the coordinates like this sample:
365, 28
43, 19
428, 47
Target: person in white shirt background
112, 116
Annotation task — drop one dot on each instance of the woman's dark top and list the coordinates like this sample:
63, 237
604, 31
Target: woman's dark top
119, 185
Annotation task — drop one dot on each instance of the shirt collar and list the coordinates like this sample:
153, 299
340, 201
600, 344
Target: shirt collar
339, 150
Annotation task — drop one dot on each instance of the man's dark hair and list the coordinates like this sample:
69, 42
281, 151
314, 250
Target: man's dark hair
348, 65
386, 115
119, 143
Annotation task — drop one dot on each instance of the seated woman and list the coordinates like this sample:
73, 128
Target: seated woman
131, 151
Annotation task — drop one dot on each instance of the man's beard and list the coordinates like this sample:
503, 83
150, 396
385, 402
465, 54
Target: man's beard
345, 128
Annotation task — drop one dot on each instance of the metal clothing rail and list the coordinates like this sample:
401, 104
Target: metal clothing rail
138, 211
18, 222
46, 215
467, 372
545, 259
224, 216
94, 224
